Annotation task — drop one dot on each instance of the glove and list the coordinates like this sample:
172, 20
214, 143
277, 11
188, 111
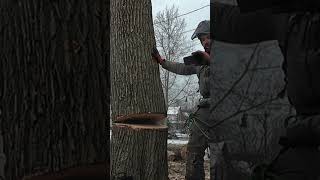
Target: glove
156, 56
204, 55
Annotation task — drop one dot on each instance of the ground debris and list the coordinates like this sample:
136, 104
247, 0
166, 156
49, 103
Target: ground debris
177, 162
177, 170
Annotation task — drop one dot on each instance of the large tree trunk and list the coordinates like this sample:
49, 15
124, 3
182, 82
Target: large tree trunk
54, 84
136, 94
136, 85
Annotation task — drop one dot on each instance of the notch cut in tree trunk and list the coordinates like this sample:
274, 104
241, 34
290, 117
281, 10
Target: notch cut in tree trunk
139, 151
141, 118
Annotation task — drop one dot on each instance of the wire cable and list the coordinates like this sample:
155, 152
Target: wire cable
182, 14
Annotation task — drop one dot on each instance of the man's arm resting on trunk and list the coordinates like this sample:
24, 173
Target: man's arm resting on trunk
179, 68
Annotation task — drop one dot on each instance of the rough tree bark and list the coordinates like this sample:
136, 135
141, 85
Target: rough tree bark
54, 88
136, 86
137, 150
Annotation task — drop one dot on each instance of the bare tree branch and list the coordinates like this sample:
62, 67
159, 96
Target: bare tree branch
173, 45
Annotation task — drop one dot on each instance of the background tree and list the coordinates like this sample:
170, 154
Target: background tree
138, 142
170, 30
54, 84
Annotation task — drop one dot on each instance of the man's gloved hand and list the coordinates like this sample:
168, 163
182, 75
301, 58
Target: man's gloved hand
156, 56
204, 55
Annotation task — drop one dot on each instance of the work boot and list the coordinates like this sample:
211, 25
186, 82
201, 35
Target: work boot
196, 146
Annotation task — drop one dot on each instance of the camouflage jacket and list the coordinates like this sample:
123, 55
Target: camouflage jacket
202, 72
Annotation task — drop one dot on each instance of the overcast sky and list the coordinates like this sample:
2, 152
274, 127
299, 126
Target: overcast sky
185, 6
192, 20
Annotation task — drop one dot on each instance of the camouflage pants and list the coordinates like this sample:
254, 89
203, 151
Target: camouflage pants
301, 160
198, 142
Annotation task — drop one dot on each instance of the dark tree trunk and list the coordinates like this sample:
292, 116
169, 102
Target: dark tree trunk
54, 97
89, 172
138, 151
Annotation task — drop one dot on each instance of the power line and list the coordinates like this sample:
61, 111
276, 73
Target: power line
193, 11
188, 31
183, 14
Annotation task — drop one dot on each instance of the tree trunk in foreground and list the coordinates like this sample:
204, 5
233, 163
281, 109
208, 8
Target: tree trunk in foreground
54, 100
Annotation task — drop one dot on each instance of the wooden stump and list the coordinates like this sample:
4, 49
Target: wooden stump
139, 151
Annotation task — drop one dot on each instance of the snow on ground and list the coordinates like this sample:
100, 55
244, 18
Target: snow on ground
177, 141
181, 135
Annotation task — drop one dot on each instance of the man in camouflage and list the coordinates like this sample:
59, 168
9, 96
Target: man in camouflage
198, 140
